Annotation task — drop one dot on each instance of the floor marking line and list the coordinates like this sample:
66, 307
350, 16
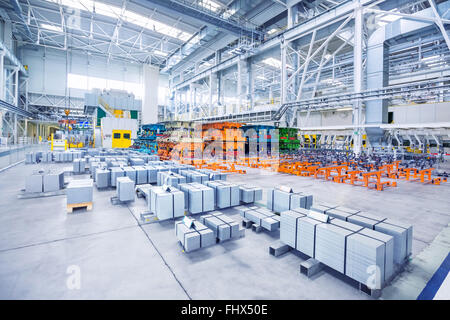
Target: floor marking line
63, 239
436, 281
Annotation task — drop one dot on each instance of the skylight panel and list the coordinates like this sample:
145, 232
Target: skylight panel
51, 27
210, 5
115, 12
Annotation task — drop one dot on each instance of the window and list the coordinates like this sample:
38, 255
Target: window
116, 136
77, 81
126, 136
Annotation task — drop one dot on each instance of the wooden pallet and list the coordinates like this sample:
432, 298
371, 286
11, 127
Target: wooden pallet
87, 205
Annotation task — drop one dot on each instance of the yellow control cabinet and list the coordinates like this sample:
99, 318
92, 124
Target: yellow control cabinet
121, 138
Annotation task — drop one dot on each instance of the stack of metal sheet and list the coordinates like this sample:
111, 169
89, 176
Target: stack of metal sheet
53, 181
170, 178
30, 158
388, 248
80, 191
141, 174
306, 235
194, 176
47, 157
402, 239
363, 221
346, 225
166, 202
59, 157
363, 254
214, 175
330, 245
130, 172
102, 178
262, 217
249, 194
125, 189
226, 193
339, 214
34, 183
223, 227
116, 172
152, 174
194, 238
288, 227
79, 165
198, 197
284, 199
137, 162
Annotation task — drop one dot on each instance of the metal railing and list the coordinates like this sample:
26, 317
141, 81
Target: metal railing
10, 155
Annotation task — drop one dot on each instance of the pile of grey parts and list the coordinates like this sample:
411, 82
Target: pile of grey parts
223, 227
226, 193
259, 218
283, 198
194, 237
370, 251
43, 183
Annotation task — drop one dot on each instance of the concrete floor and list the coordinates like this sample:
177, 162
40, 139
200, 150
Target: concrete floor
119, 259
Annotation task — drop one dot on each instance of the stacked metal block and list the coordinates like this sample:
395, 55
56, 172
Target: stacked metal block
47, 157
402, 233
322, 207
34, 183
226, 193
214, 175
152, 174
53, 181
130, 172
249, 194
137, 162
194, 176
223, 227
125, 189
166, 202
102, 178
141, 174
80, 191
351, 249
170, 178
79, 165
261, 216
284, 199
199, 236
198, 197
116, 172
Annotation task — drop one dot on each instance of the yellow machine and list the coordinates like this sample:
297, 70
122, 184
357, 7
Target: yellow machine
58, 144
121, 138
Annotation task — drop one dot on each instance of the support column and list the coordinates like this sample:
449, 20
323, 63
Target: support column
292, 14
16, 103
210, 94
239, 85
250, 85
150, 99
191, 100
357, 77
283, 81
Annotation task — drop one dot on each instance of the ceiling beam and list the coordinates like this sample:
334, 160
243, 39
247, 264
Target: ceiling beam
204, 16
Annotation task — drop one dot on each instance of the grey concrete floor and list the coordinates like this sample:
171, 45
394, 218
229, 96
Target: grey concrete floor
119, 259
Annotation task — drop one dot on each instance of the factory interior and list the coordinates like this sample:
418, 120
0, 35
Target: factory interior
224, 150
